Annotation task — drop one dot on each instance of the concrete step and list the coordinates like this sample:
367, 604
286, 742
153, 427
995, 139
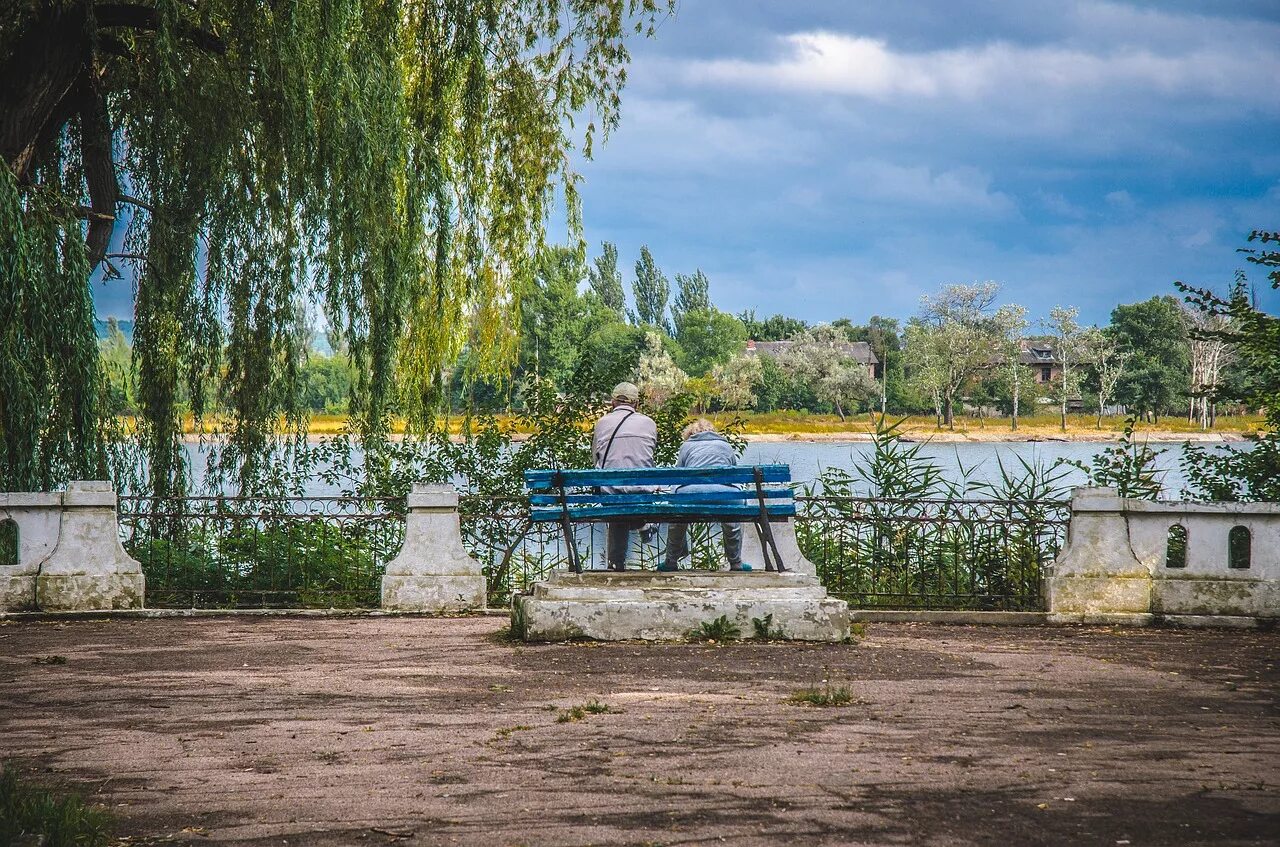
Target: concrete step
691, 586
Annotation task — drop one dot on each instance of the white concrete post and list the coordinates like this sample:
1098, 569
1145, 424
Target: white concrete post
37, 516
434, 572
89, 570
1099, 577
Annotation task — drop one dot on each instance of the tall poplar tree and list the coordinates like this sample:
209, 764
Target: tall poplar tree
606, 280
651, 291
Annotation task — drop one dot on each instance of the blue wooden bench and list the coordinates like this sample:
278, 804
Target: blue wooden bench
572, 496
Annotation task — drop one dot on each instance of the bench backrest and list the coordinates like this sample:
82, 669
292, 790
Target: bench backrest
552, 498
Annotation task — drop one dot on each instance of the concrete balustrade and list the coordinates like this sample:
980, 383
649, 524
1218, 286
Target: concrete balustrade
69, 552
1220, 565
1120, 566
434, 572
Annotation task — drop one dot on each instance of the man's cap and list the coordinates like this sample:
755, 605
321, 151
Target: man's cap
626, 391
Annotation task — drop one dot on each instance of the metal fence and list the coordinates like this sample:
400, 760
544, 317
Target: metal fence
932, 554
200, 552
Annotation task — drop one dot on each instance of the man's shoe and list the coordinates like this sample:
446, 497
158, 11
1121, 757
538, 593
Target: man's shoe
741, 566
668, 568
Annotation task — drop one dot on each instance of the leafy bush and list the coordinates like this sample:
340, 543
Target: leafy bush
764, 630
895, 531
720, 629
1231, 475
1127, 466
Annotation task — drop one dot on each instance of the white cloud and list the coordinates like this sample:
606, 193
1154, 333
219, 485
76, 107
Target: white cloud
845, 64
963, 189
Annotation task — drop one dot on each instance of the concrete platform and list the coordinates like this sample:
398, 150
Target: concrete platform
649, 606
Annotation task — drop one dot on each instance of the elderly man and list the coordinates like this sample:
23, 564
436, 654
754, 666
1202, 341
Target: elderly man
624, 438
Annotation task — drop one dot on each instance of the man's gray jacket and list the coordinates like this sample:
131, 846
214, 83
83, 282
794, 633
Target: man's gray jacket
633, 446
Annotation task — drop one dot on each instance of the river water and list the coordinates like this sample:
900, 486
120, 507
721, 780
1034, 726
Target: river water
980, 460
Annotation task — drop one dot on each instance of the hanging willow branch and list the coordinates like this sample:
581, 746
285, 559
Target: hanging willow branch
392, 161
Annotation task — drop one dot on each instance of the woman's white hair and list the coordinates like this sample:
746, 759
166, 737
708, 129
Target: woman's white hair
700, 425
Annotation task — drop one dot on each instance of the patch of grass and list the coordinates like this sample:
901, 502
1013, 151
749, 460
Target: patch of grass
573, 714
720, 629
31, 814
765, 630
824, 696
506, 731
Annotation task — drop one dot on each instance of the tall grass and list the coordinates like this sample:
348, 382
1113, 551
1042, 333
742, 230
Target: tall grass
897, 531
31, 814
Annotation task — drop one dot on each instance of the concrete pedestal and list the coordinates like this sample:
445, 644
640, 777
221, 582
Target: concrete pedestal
612, 606
88, 570
1099, 578
434, 572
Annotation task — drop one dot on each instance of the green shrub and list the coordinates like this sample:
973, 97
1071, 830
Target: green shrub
720, 629
764, 629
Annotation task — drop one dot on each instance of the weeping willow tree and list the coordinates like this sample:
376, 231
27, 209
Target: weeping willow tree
390, 162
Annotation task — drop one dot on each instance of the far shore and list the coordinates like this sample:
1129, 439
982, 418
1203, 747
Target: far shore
944, 436
792, 427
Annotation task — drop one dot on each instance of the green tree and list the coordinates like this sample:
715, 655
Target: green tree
1071, 344
773, 328
657, 374
609, 355
326, 384
736, 379
693, 294
953, 339
779, 389
650, 291
1254, 339
708, 337
884, 336
553, 317
1158, 371
606, 280
836, 377
389, 160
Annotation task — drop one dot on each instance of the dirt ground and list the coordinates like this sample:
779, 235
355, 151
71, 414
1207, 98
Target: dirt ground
375, 731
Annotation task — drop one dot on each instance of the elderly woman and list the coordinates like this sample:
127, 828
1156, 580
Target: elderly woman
704, 447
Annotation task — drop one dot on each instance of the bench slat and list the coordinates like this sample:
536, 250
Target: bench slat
659, 511
541, 479
660, 497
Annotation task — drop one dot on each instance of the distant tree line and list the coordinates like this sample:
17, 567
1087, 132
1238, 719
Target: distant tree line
960, 353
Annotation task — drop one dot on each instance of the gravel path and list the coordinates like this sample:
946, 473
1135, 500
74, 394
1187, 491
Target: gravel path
412, 731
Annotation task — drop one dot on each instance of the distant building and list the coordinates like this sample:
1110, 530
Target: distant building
859, 351
1040, 357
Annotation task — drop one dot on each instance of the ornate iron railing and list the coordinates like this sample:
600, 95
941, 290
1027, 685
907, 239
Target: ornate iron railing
332, 551
932, 554
199, 552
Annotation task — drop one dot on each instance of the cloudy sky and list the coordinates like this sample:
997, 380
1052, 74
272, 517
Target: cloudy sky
841, 158
832, 158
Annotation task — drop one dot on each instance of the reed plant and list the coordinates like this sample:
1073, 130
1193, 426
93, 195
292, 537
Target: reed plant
897, 531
